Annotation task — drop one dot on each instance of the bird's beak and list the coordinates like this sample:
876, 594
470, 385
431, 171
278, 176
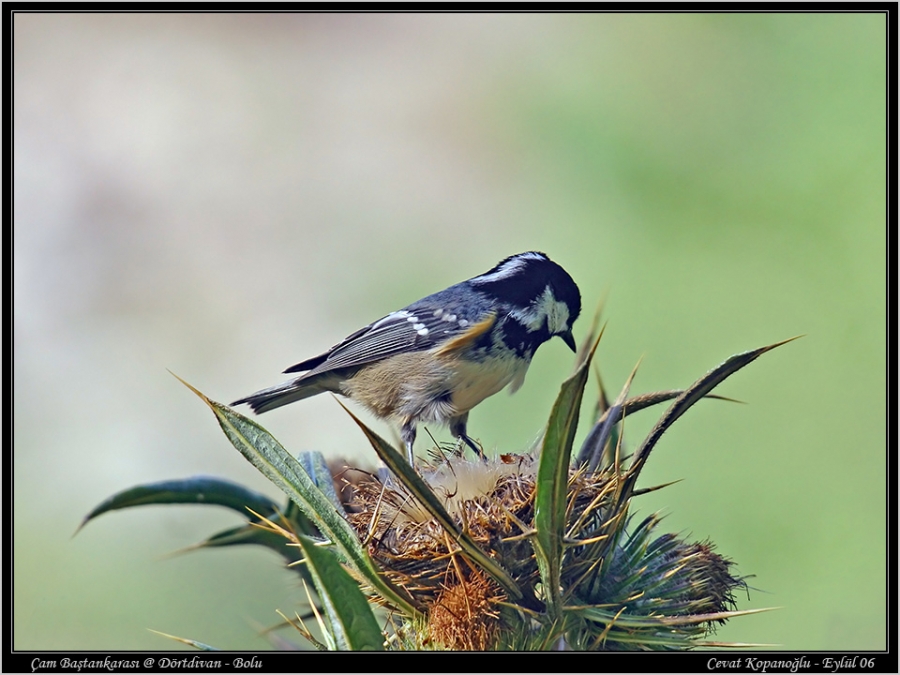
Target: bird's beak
569, 340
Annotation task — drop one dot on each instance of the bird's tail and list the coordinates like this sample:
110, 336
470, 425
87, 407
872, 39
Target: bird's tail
288, 392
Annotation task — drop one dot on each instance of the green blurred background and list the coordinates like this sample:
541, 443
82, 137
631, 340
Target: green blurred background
224, 195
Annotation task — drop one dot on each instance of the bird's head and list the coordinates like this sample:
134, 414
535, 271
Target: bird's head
541, 298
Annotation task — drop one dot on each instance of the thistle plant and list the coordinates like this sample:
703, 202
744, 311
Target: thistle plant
530, 551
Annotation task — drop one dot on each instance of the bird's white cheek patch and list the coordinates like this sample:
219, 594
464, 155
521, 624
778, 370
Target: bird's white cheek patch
545, 308
557, 317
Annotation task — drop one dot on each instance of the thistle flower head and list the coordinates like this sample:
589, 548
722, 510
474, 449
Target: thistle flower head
525, 551
606, 573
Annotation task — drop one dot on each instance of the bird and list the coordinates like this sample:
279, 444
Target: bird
439, 357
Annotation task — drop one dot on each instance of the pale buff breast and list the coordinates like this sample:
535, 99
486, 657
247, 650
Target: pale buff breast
474, 382
430, 389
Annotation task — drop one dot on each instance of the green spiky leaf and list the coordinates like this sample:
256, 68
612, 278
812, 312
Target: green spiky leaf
612, 415
551, 488
632, 405
262, 450
689, 397
606, 616
187, 641
198, 490
315, 465
252, 535
350, 618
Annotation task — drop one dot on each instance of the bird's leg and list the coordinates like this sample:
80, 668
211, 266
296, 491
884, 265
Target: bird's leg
408, 436
458, 429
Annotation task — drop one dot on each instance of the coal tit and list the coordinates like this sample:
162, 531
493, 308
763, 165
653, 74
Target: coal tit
436, 359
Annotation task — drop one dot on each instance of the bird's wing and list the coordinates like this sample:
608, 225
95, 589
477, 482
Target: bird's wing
403, 331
